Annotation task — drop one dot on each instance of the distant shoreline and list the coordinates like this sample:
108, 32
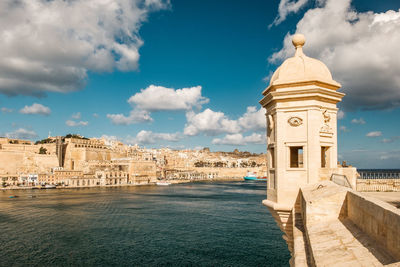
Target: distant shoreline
221, 179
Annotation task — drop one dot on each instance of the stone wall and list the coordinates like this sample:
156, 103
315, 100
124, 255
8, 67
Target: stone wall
357, 229
378, 185
142, 172
13, 162
378, 219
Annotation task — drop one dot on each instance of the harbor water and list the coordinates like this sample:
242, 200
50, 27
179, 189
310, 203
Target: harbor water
194, 224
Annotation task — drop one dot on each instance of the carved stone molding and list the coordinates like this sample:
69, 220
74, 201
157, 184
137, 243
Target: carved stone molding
295, 121
326, 130
270, 122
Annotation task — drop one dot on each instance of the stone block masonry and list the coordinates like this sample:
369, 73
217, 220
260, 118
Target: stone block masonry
378, 185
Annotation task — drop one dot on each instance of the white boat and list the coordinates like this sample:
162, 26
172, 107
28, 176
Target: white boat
49, 186
163, 183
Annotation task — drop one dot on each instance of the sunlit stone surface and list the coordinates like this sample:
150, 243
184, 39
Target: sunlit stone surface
325, 224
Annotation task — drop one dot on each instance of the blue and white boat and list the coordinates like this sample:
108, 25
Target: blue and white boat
251, 176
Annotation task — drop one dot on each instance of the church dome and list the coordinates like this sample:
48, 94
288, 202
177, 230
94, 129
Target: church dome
301, 68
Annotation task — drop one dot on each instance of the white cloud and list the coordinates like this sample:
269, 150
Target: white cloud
374, 134
358, 121
390, 140
344, 129
340, 114
135, 116
72, 123
239, 139
22, 133
286, 7
157, 4
393, 155
210, 123
159, 98
49, 46
148, 137
360, 48
36, 109
76, 116
6, 110
253, 119
95, 115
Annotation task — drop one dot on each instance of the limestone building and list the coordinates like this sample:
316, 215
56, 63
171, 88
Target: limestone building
313, 200
76, 161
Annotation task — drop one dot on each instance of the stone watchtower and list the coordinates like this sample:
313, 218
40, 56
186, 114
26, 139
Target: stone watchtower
301, 111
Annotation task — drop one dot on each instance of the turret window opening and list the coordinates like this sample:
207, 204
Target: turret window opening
296, 157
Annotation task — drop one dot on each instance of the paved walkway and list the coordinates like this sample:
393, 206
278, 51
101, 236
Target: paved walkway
341, 243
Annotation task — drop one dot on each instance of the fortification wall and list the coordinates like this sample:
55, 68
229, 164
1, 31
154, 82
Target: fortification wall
44, 163
89, 154
13, 162
51, 148
20, 147
143, 171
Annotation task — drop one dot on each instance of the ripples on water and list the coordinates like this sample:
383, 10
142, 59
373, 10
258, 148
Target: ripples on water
206, 224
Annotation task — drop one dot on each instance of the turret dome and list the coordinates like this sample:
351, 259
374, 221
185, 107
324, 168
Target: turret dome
301, 68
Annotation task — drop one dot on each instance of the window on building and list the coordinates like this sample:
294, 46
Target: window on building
296, 157
324, 156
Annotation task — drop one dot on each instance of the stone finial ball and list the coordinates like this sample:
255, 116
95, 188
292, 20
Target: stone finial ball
298, 40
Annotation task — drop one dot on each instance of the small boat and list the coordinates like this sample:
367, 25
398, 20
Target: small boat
251, 176
14, 196
49, 186
163, 183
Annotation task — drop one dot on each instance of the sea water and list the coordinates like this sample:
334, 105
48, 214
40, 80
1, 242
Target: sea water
194, 224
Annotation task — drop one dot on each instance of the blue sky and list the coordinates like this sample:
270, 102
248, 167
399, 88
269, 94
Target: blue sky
82, 61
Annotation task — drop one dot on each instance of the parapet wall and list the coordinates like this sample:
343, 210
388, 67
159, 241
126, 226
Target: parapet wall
378, 185
357, 229
378, 219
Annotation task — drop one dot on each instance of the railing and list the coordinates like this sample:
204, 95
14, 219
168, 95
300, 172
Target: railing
379, 174
340, 180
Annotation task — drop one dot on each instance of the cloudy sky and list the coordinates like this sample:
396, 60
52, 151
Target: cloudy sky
188, 74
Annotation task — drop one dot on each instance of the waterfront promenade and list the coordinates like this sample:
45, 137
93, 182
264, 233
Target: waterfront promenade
177, 181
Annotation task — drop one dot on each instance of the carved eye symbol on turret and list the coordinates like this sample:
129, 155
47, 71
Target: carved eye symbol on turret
295, 121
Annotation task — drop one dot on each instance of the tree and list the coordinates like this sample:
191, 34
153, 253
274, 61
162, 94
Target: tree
199, 164
44, 141
42, 150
